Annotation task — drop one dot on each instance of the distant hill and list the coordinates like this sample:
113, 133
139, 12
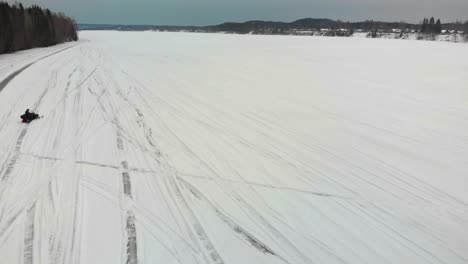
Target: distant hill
337, 27
135, 27
308, 23
255, 25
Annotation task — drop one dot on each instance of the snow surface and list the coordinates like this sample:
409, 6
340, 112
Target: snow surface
199, 148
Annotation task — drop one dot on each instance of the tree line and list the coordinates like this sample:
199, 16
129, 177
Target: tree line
465, 28
428, 26
431, 27
24, 28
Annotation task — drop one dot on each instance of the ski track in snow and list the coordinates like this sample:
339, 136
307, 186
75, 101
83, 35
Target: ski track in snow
181, 152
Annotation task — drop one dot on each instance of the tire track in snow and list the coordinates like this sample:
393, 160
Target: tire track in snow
251, 239
19, 141
11, 164
172, 183
126, 180
61, 123
132, 257
73, 255
10, 77
197, 226
5, 173
29, 230
132, 250
28, 251
249, 210
149, 219
197, 229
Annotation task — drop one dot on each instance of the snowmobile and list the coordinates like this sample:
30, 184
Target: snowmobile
27, 117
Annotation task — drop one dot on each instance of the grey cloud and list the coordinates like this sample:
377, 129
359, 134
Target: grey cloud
205, 12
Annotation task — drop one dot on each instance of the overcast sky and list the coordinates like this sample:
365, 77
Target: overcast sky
208, 12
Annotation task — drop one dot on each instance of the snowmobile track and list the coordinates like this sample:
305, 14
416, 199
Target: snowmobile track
132, 253
10, 77
29, 235
235, 227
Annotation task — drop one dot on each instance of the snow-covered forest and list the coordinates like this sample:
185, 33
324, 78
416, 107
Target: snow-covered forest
24, 28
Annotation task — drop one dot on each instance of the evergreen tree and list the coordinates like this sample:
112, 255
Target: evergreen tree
465, 28
424, 26
6, 29
431, 27
24, 28
438, 27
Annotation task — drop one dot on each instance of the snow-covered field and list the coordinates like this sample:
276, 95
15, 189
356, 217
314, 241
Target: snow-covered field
198, 148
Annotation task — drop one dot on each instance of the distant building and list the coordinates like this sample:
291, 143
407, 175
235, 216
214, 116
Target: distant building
304, 32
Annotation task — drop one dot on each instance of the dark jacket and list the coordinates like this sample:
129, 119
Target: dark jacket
29, 115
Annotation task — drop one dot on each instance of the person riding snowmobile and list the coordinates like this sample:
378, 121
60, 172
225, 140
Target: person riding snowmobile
29, 116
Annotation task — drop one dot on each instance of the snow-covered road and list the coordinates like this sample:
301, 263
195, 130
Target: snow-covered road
198, 148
